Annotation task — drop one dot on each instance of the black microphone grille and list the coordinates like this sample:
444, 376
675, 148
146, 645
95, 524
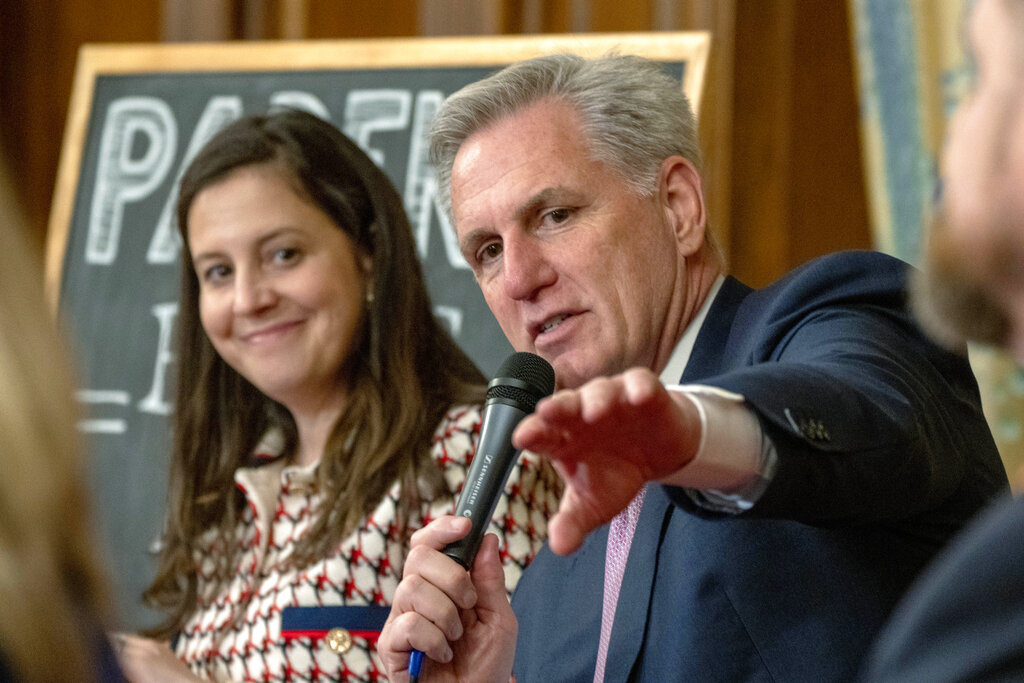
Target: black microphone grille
523, 379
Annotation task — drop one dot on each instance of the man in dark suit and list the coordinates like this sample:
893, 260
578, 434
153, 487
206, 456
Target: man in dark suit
964, 619
752, 477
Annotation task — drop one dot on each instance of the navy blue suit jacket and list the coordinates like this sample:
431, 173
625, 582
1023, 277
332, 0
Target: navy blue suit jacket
883, 454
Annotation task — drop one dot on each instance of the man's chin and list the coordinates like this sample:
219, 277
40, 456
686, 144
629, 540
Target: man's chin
572, 370
951, 300
567, 377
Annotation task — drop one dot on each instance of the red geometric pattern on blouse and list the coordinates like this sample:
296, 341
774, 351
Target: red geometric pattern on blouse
235, 632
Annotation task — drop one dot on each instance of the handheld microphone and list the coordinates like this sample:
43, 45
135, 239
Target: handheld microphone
522, 380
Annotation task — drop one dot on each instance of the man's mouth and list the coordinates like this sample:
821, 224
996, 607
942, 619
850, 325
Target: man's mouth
553, 323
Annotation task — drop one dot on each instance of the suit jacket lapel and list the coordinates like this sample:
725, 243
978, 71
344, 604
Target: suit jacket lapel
629, 629
708, 352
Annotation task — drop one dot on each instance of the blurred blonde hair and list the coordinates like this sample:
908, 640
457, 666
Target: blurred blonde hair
50, 583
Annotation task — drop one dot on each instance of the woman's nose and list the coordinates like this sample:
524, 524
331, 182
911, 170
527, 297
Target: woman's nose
253, 292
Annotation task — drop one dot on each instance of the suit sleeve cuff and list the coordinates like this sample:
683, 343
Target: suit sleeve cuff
735, 460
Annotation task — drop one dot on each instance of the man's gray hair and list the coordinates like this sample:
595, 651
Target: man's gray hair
634, 114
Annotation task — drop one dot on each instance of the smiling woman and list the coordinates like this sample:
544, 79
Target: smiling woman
322, 414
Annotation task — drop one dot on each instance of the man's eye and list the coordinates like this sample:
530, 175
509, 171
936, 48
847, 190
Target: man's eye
559, 215
489, 252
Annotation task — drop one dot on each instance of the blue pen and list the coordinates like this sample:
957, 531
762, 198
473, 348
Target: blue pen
415, 662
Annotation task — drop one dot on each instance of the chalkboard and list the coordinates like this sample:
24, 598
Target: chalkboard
137, 116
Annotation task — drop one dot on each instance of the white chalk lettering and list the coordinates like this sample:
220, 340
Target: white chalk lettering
154, 402
219, 112
297, 99
452, 315
372, 111
421, 202
132, 124
103, 397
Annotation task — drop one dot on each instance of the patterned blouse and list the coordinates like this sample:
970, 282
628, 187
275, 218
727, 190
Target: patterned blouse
272, 622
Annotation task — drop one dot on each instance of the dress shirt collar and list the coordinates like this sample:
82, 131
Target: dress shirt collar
681, 355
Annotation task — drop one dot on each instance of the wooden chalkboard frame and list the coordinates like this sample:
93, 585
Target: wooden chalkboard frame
128, 456
97, 59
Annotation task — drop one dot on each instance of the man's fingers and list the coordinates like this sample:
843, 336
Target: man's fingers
425, 610
417, 595
426, 563
426, 604
598, 399
407, 632
418, 633
563, 422
489, 576
441, 532
537, 435
565, 534
572, 523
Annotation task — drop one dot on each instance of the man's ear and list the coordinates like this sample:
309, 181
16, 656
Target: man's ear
682, 197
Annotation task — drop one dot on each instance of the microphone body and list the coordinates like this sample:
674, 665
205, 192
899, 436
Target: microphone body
522, 380
486, 478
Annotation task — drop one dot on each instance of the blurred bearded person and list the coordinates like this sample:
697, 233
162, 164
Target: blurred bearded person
972, 284
962, 619
951, 294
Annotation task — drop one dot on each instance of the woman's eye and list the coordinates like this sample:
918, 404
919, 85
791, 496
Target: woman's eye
286, 254
216, 273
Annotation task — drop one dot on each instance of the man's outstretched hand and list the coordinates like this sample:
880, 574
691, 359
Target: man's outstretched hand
608, 438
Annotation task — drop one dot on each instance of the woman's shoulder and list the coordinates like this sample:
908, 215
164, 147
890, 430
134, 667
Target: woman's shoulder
460, 419
457, 434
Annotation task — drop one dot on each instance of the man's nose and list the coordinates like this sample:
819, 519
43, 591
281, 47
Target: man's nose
526, 268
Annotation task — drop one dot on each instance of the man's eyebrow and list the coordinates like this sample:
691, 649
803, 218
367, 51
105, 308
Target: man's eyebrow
472, 238
556, 194
531, 205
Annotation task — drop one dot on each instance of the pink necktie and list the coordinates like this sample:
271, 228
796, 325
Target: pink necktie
620, 537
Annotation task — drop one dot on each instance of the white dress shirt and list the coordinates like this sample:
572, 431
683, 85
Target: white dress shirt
735, 460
